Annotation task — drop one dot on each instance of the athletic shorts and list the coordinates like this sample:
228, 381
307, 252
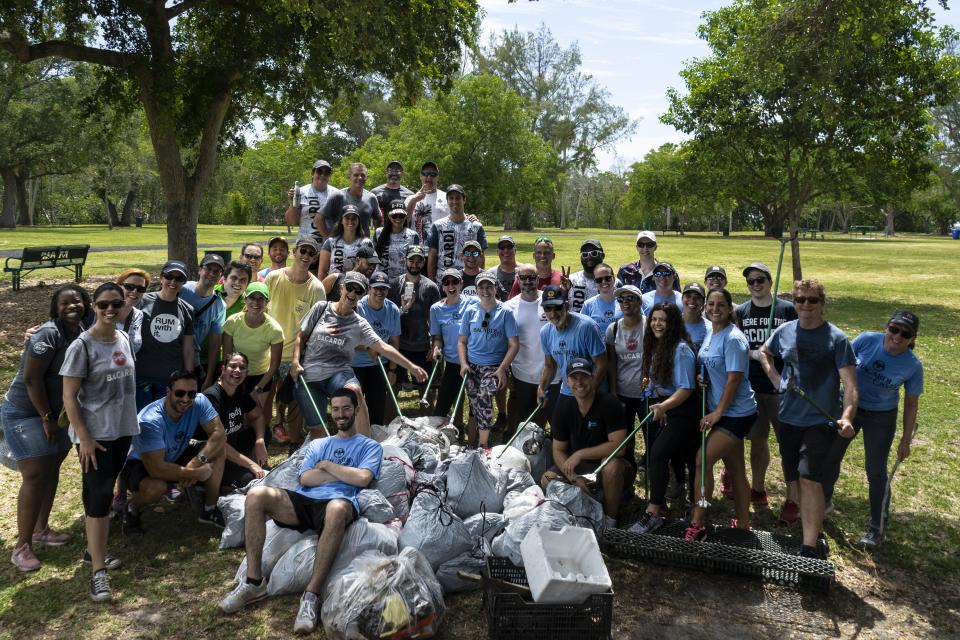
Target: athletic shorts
736, 427
134, 471
310, 513
805, 451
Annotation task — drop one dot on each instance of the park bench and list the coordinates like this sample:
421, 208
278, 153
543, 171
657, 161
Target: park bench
811, 233
863, 230
677, 231
33, 258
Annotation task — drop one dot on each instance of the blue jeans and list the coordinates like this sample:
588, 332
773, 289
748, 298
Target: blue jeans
319, 392
147, 393
25, 437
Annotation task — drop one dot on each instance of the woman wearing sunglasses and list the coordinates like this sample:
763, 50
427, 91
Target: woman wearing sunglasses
99, 395
445, 317
885, 363
134, 283
392, 239
603, 307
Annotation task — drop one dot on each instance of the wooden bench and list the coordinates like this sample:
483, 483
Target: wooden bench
33, 258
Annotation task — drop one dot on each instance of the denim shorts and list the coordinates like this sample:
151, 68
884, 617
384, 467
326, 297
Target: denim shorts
25, 437
319, 392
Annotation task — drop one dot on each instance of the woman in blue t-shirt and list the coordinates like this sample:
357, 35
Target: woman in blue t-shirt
885, 363
445, 317
669, 376
725, 360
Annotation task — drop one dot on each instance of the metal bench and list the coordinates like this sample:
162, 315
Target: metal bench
33, 258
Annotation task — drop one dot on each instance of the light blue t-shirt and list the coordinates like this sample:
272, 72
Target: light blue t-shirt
602, 312
159, 431
698, 332
385, 322
206, 323
445, 322
880, 374
812, 357
684, 372
579, 339
357, 451
722, 353
488, 333
651, 298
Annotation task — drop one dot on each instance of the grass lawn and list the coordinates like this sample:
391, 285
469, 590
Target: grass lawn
174, 575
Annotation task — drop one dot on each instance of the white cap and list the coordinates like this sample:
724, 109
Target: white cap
648, 235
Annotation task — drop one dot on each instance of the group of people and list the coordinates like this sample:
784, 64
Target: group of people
179, 386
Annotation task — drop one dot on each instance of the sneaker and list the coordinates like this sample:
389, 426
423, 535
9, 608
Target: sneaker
726, 484
111, 562
306, 620
648, 523
50, 537
806, 551
212, 516
244, 594
790, 512
24, 559
823, 546
758, 498
100, 587
131, 522
279, 434
828, 508
872, 539
172, 494
694, 532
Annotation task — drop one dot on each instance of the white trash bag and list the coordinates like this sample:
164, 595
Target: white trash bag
589, 512
548, 514
275, 544
396, 478
375, 507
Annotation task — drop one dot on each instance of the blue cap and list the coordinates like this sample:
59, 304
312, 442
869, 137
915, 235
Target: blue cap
380, 279
553, 296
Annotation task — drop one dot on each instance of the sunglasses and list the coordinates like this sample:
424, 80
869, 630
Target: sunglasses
543, 239
324, 172
174, 278
603, 279
103, 305
134, 287
306, 251
646, 245
355, 288
753, 281
594, 253
553, 309
183, 392
527, 278
662, 274
806, 299
628, 299
486, 320
505, 246
252, 256
449, 282
429, 174
897, 331
473, 253
398, 216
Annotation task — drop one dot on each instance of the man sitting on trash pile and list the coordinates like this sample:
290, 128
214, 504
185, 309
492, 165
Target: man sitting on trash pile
582, 439
333, 472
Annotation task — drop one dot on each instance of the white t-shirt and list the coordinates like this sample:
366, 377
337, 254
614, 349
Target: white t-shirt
311, 202
528, 364
432, 207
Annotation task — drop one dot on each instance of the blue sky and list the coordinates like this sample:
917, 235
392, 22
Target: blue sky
636, 48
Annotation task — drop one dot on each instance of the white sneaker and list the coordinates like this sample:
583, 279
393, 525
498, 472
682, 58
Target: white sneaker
306, 620
244, 594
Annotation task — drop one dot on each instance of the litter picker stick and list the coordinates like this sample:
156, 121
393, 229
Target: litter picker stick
592, 477
313, 403
424, 403
523, 424
796, 388
456, 403
703, 503
886, 490
776, 287
390, 388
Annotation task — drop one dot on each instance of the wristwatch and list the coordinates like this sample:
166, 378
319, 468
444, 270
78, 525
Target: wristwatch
259, 390
203, 458
47, 417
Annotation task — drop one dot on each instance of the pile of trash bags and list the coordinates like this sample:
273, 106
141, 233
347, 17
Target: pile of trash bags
437, 511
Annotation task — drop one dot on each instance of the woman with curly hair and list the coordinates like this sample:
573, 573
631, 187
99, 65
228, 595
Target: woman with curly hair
669, 376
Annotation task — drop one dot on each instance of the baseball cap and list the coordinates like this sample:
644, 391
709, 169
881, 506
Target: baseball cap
212, 258
756, 266
310, 242
906, 318
553, 296
379, 279
629, 289
590, 242
486, 276
695, 287
429, 163
397, 206
174, 266
472, 243
664, 266
503, 239
458, 189
451, 272
322, 164
647, 235
715, 269
355, 277
276, 239
349, 210
395, 162
415, 250
579, 365
367, 253
257, 287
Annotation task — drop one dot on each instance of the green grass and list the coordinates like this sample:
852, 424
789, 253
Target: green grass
175, 575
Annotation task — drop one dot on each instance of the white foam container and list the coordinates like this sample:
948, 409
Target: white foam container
565, 566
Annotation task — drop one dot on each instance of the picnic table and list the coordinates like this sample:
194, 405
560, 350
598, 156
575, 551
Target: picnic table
863, 230
811, 233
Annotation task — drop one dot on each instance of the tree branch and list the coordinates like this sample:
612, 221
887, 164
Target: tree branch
23, 51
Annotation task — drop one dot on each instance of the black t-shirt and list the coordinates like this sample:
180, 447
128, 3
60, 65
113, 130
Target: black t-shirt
584, 431
385, 196
415, 323
165, 326
231, 410
753, 322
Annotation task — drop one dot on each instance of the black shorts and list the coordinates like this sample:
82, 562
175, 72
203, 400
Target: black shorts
418, 358
738, 428
134, 471
310, 513
805, 451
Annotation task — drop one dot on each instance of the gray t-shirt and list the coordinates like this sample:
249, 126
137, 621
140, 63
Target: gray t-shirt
504, 282
332, 341
366, 205
48, 343
628, 343
108, 390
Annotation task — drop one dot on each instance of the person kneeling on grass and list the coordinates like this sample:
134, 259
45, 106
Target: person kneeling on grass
333, 472
583, 438
166, 452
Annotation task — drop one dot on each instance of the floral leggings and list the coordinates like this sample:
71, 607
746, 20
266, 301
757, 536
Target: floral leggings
482, 389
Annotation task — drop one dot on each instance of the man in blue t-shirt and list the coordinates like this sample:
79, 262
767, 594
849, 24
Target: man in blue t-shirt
209, 314
333, 472
817, 357
166, 451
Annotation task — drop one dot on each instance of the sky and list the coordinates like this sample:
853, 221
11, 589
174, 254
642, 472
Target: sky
635, 48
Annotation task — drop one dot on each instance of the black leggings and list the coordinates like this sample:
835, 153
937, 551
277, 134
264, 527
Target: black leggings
449, 386
676, 441
98, 483
374, 391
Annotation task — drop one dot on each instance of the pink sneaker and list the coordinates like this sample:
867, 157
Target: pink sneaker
50, 537
24, 559
694, 532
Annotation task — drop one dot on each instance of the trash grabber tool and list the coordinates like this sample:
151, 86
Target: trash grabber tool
313, 403
886, 489
393, 396
424, 403
522, 425
456, 403
703, 503
797, 389
591, 478
776, 287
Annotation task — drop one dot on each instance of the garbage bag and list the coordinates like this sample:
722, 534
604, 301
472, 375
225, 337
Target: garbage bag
589, 512
374, 506
379, 597
519, 480
509, 458
396, 477
537, 448
285, 475
275, 544
472, 486
517, 503
293, 571
434, 530
382, 433
231, 506
548, 514
485, 525
448, 573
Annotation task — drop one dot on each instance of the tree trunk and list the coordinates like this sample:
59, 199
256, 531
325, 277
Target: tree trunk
33, 195
890, 213
126, 218
23, 210
772, 222
8, 217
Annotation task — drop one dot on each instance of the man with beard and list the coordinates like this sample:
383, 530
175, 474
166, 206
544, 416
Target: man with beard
333, 472
580, 285
366, 261
472, 261
414, 294
448, 235
313, 197
391, 190
323, 353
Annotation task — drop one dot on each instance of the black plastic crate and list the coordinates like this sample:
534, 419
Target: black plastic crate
510, 616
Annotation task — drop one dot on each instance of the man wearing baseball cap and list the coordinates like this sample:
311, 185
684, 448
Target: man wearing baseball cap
715, 277
209, 314
582, 287
429, 203
507, 269
278, 250
664, 276
472, 259
448, 235
586, 433
313, 197
640, 273
384, 317
391, 190
368, 208
366, 261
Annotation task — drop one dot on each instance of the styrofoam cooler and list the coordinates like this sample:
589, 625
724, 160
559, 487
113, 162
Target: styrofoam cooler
565, 566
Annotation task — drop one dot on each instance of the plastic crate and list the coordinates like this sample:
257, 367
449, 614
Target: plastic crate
563, 566
511, 616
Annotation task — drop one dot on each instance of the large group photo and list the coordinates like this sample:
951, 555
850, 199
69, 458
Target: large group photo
428, 358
